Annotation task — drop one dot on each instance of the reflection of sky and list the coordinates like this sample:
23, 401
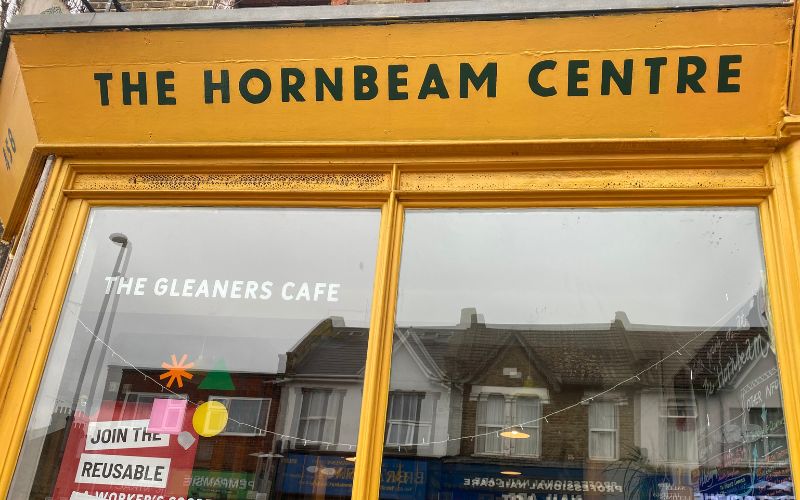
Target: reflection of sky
659, 266
278, 245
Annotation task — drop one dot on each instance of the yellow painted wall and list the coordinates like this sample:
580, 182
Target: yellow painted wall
17, 141
71, 111
705, 162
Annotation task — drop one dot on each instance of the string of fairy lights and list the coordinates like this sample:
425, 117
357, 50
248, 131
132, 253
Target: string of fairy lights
516, 430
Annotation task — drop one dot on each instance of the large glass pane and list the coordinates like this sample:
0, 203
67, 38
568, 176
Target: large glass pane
207, 354
594, 353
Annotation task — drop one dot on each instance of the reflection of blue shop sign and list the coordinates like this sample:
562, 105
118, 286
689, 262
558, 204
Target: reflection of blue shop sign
401, 479
540, 483
554, 487
409, 479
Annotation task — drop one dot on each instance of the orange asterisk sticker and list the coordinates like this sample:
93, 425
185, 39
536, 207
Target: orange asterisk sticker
176, 371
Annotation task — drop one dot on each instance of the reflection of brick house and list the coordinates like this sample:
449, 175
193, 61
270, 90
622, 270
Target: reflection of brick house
253, 402
445, 378
617, 396
474, 379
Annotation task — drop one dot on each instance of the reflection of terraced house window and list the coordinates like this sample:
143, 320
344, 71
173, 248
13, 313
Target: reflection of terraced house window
491, 420
141, 402
246, 416
769, 434
603, 430
319, 413
496, 413
528, 411
679, 430
404, 419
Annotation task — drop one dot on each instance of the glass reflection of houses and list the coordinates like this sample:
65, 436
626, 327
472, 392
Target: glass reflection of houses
606, 410
238, 460
512, 411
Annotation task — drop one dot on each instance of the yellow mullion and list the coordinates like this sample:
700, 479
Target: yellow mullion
51, 257
33, 312
366, 482
34, 309
779, 216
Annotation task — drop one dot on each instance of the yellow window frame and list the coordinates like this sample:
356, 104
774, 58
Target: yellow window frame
689, 173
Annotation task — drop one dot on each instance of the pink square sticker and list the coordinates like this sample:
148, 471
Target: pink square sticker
166, 417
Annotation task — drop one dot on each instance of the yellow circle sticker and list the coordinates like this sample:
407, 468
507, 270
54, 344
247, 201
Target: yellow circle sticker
210, 418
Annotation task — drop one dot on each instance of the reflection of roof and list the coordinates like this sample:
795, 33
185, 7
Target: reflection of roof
586, 355
330, 349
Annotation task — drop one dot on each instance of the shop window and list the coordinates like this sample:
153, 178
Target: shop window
140, 404
769, 435
497, 414
318, 417
527, 415
173, 349
491, 420
246, 416
404, 424
679, 421
595, 347
603, 430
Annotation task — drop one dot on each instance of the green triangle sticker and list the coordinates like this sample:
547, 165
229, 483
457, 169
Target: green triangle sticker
218, 379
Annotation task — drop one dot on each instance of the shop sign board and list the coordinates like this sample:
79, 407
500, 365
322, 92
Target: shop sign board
407, 479
474, 481
17, 136
304, 474
716, 73
113, 456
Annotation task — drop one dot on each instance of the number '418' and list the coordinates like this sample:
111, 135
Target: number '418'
9, 148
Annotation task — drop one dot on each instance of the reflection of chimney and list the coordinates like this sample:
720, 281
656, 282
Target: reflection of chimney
757, 316
470, 318
337, 321
281, 363
621, 321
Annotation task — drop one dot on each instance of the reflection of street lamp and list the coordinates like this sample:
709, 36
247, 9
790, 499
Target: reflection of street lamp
264, 479
121, 240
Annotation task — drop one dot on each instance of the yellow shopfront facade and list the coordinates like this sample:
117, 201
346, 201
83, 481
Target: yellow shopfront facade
548, 256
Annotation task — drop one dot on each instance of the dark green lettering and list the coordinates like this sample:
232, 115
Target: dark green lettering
623, 81
533, 78
433, 83
726, 73
291, 88
210, 86
323, 82
487, 76
574, 77
103, 79
163, 86
395, 82
691, 80
655, 64
365, 88
266, 85
129, 88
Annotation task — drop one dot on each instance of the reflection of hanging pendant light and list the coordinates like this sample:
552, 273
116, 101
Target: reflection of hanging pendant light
510, 472
515, 434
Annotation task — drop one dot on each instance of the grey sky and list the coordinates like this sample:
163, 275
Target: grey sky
659, 266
